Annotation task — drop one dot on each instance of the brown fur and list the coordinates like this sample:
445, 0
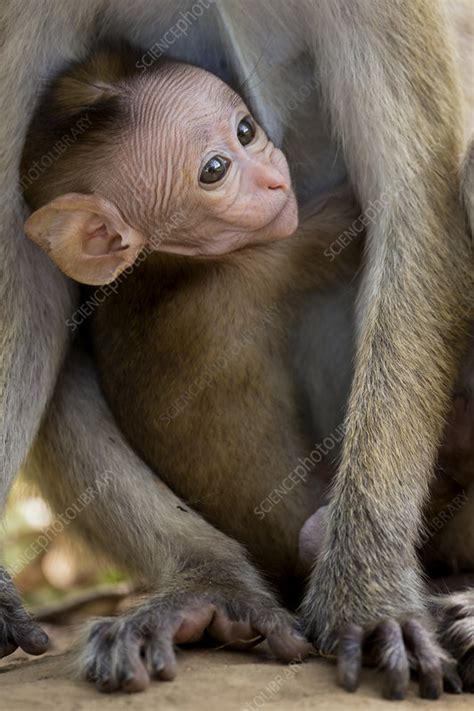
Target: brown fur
240, 437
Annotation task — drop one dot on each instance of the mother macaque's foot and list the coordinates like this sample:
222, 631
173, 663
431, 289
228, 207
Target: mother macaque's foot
398, 649
363, 625
125, 653
17, 629
455, 617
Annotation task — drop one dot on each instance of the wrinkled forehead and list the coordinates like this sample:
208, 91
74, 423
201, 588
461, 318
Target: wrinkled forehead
182, 104
176, 114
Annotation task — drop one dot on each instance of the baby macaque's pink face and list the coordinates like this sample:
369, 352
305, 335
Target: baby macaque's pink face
191, 173
209, 179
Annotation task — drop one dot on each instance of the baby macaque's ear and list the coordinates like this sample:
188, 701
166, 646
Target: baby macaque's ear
86, 236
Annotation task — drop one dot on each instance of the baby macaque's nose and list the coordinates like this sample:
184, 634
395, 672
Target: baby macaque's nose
271, 178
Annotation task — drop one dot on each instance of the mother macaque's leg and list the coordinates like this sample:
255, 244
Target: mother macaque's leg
203, 579
36, 298
395, 106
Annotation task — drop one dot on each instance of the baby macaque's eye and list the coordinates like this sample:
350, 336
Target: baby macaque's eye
246, 131
214, 170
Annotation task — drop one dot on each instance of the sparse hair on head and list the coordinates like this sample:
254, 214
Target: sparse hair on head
81, 109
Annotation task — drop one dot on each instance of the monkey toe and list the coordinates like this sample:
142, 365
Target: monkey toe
33, 640
398, 650
244, 623
455, 613
17, 628
288, 646
276, 625
160, 658
113, 657
387, 648
430, 662
349, 662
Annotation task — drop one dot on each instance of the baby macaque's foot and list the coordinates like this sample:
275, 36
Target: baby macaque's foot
124, 653
17, 628
455, 614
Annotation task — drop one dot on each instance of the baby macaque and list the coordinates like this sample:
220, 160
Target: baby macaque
193, 346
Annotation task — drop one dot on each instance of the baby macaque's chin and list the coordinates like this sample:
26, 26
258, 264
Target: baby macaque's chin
284, 224
218, 244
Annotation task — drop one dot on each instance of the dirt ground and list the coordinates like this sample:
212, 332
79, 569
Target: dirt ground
208, 680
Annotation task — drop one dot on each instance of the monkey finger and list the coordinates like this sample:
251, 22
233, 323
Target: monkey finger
115, 649
160, 658
452, 680
33, 640
392, 659
289, 646
22, 630
286, 641
428, 658
135, 679
129, 671
349, 658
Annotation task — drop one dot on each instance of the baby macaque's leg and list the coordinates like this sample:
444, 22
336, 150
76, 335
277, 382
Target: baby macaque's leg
203, 579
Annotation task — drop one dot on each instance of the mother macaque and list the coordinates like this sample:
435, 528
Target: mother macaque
385, 85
